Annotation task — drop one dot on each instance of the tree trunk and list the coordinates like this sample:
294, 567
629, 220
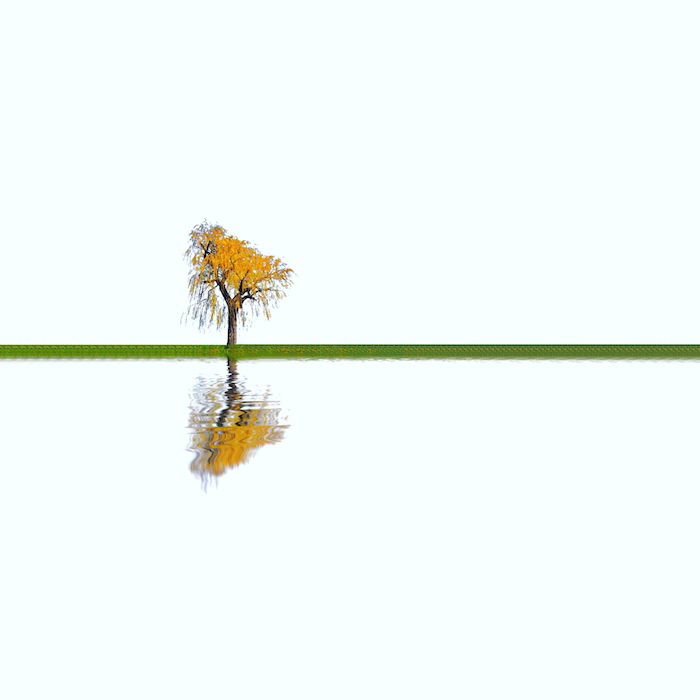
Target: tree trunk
232, 324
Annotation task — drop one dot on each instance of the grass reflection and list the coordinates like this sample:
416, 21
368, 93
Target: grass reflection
229, 423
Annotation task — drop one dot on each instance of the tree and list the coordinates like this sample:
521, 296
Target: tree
229, 423
227, 273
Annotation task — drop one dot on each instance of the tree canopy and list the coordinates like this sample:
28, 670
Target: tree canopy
230, 280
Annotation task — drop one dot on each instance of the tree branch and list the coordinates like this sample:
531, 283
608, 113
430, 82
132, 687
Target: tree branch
240, 286
223, 290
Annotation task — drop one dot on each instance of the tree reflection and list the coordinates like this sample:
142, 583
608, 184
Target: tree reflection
229, 423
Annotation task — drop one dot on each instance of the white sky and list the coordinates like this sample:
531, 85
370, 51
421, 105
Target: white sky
447, 172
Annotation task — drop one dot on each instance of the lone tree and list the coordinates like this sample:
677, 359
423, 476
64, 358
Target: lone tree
227, 273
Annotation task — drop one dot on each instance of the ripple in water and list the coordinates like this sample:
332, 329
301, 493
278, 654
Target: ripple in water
229, 423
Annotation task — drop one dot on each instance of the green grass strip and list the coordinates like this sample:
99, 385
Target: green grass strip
481, 352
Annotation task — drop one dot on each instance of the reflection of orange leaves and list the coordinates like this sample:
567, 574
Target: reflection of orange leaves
220, 449
229, 423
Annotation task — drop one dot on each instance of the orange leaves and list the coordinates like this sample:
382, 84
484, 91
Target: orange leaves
252, 281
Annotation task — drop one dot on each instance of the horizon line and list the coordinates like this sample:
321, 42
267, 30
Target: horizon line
641, 351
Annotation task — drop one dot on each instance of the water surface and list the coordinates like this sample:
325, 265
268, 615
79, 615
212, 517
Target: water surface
348, 529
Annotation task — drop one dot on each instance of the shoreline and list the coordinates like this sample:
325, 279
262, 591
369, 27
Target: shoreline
293, 351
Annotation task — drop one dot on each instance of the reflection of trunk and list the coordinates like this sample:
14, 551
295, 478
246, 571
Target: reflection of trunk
232, 324
233, 395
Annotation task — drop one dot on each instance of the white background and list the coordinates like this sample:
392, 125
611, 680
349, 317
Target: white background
435, 172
